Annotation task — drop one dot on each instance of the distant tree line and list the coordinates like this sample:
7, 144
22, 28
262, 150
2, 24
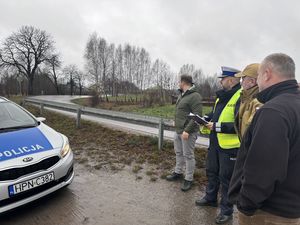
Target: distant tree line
30, 64
206, 85
125, 69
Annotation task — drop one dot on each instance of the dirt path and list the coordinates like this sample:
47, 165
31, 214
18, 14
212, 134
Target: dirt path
106, 198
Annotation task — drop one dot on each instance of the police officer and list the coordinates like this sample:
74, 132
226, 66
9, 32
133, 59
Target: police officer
224, 144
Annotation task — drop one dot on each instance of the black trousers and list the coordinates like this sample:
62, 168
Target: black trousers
219, 169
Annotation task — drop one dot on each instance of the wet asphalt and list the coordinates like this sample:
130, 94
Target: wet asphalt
107, 198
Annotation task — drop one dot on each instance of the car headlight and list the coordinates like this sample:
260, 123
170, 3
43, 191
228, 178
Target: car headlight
65, 150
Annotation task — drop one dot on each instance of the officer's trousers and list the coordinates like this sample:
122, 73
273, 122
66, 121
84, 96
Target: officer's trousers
219, 169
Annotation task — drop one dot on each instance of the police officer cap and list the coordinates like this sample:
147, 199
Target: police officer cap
228, 72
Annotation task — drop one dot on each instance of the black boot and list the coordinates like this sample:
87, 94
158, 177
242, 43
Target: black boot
204, 202
174, 176
221, 218
187, 185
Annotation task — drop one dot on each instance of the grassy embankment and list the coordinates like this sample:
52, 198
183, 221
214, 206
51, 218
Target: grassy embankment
167, 111
100, 148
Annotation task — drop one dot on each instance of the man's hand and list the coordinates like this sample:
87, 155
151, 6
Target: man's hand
210, 125
185, 135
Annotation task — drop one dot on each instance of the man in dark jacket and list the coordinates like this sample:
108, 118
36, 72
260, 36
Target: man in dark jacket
265, 184
224, 144
189, 101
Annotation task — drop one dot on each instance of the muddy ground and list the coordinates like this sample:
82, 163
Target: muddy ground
119, 181
99, 148
99, 197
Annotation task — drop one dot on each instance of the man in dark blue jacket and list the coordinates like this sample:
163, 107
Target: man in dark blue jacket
224, 144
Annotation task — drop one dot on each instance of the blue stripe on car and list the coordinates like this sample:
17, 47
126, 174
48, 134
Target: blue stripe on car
22, 142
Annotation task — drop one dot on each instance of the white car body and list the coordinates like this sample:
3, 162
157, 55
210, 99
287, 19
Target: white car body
32, 164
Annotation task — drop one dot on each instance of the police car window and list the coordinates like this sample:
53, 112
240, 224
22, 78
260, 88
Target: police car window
13, 116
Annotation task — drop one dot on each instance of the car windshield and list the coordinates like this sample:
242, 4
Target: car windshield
14, 117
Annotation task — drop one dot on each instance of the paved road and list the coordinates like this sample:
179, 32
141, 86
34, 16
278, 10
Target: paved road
59, 98
106, 198
125, 126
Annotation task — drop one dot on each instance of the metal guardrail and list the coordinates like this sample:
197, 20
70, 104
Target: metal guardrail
160, 123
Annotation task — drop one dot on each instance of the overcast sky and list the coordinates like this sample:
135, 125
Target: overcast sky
206, 33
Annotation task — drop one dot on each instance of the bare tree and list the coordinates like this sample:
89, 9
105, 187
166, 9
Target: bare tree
119, 70
9, 82
124, 69
93, 65
161, 71
80, 79
187, 69
25, 50
127, 66
113, 71
198, 76
213, 83
206, 85
144, 64
71, 72
54, 63
101, 64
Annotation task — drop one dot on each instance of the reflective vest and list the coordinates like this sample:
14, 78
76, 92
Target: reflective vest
204, 130
228, 141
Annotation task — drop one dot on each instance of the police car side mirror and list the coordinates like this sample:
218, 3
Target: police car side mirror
41, 119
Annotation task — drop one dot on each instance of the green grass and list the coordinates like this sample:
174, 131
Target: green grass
167, 111
81, 101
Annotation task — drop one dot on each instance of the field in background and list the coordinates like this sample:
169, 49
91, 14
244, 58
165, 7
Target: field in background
127, 104
166, 111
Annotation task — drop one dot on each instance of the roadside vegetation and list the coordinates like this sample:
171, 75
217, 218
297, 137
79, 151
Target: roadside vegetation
100, 148
15, 98
166, 111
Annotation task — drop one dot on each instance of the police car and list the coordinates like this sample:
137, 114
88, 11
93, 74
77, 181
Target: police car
35, 160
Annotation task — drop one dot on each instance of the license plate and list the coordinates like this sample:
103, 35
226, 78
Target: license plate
30, 184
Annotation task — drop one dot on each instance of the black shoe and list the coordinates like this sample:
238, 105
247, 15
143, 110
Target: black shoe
221, 219
187, 185
204, 202
174, 176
